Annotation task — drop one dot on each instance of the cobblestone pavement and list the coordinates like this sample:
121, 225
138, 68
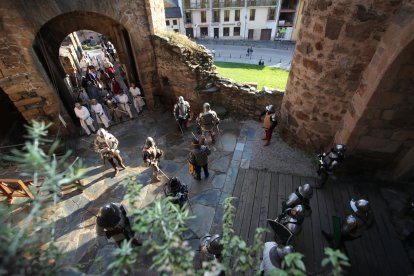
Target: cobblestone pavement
239, 145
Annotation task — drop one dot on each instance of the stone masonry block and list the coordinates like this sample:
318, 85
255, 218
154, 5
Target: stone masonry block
376, 144
28, 101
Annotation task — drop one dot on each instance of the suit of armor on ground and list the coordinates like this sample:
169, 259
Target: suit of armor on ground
355, 224
207, 121
151, 156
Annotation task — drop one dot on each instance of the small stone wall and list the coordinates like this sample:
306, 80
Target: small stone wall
186, 69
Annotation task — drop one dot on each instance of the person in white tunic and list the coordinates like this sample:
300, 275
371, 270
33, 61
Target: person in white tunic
85, 118
100, 113
123, 103
136, 97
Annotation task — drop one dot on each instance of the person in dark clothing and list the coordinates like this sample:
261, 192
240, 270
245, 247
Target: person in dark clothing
199, 158
177, 191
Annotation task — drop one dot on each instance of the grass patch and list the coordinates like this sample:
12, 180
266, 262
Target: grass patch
262, 75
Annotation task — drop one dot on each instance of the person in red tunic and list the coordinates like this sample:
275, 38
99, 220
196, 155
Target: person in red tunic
116, 88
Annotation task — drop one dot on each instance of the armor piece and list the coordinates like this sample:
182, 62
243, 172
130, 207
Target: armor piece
306, 191
206, 107
110, 215
149, 142
177, 190
273, 255
181, 99
301, 196
211, 245
270, 108
359, 221
292, 219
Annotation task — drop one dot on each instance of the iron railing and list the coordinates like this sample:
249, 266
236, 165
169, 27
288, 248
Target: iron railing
228, 4
261, 3
203, 4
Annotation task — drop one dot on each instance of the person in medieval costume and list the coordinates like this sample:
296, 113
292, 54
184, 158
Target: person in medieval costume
136, 98
93, 92
288, 224
301, 196
113, 108
355, 224
113, 223
84, 118
109, 68
105, 79
211, 246
123, 103
269, 122
107, 146
116, 87
207, 121
198, 157
99, 113
177, 191
151, 156
273, 255
182, 113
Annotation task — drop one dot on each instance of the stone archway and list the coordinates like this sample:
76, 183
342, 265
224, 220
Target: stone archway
21, 70
49, 38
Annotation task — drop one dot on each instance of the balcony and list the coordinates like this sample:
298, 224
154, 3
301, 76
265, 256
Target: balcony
195, 5
259, 3
228, 4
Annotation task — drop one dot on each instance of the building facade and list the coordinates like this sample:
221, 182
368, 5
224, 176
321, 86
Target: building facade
240, 19
174, 16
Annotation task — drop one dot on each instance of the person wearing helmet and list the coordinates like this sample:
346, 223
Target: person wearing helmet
355, 224
328, 162
207, 121
269, 122
107, 145
182, 113
288, 224
198, 157
211, 245
151, 156
301, 196
273, 255
177, 191
112, 222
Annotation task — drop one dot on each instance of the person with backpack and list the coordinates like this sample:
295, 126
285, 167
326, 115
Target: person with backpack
198, 158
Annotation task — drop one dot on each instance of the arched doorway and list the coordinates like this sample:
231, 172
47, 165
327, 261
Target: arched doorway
49, 39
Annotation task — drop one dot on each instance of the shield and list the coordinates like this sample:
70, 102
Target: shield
282, 234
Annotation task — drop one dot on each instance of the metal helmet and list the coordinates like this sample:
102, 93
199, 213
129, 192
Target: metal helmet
214, 246
306, 191
360, 205
109, 216
278, 253
181, 99
149, 142
270, 107
206, 107
101, 132
174, 183
339, 148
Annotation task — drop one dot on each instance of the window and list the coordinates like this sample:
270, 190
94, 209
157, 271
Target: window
203, 4
187, 17
271, 14
252, 14
236, 31
176, 30
167, 22
203, 17
237, 15
216, 3
175, 22
226, 16
226, 31
216, 16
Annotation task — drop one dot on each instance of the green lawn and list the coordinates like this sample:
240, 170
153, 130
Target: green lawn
262, 75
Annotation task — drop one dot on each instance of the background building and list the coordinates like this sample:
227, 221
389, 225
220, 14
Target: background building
174, 16
241, 19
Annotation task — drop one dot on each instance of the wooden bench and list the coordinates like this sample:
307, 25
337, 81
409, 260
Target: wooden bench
15, 188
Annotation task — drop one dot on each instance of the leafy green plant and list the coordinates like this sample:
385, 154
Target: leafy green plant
336, 259
28, 248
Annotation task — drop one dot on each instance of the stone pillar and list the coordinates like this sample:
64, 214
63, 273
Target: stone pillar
336, 42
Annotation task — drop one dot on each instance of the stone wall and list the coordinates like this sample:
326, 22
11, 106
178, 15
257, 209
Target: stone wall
186, 69
336, 43
379, 124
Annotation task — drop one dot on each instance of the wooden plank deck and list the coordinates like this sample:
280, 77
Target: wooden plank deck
261, 193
